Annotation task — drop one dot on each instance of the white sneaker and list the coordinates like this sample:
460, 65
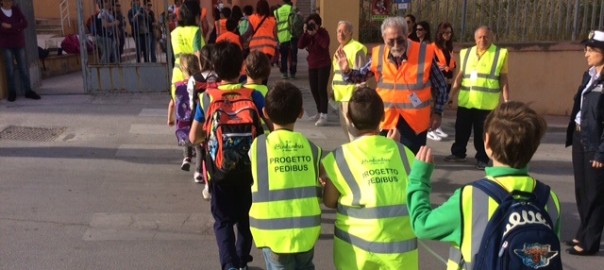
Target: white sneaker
432, 136
440, 133
314, 117
198, 177
186, 164
205, 193
322, 121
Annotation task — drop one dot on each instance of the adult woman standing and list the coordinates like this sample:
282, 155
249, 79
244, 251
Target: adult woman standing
422, 33
443, 48
263, 30
584, 133
316, 41
12, 46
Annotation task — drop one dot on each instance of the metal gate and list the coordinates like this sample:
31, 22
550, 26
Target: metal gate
128, 57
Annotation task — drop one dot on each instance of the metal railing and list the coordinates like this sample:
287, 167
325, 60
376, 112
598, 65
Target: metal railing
511, 20
64, 9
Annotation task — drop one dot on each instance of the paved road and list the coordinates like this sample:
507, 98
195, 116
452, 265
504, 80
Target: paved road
103, 189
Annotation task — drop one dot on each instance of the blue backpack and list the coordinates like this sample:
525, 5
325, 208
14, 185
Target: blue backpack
520, 234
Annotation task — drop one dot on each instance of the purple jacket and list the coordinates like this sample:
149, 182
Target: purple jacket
318, 48
14, 37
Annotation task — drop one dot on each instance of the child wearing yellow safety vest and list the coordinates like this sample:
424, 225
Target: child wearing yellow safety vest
285, 218
366, 181
513, 132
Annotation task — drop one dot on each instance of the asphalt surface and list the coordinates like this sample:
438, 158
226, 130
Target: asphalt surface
101, 186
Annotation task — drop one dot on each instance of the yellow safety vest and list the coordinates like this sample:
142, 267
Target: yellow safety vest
477, 208
372, 228
283, 30
182, 39
263, 89
285, 214
342, 90
480, 87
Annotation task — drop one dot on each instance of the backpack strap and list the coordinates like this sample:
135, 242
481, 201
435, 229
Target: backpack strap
494, 190
498, 193
542, 193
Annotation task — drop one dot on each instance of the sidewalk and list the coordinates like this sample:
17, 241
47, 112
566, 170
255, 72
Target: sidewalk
101, 188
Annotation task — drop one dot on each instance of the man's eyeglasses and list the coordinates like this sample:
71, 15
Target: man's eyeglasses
447, 33
399, 41
419, 29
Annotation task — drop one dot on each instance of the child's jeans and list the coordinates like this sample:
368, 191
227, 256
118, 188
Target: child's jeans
288, 261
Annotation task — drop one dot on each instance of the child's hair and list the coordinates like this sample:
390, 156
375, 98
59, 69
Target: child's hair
248, 10
515, 131
189, 64
257, 66
205, 56
283, 103
189, 12
232, 24
225, 12
365, 109
227, 59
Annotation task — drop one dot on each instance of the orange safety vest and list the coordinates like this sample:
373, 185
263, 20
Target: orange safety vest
442, 61
264, 39
220, 26
231, 37
406, 90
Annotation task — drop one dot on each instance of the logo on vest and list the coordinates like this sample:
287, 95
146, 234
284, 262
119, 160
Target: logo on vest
526, 217
374, 161
536, 255
289, 146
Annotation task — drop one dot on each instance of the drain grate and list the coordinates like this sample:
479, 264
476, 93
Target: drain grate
33, 134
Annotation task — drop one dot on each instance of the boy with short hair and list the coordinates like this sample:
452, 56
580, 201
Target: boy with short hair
366, 181
231, 196
257, 70
285, 217
513, 132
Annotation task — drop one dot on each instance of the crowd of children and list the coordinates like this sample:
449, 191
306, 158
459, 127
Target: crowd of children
267, 180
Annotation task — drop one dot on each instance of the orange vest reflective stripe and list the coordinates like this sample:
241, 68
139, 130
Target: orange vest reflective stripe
405, 90
264, 39
230, 37
442, 61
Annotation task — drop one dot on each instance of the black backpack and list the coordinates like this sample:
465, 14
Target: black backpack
520, 234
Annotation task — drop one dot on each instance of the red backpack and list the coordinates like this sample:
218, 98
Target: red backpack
232, 123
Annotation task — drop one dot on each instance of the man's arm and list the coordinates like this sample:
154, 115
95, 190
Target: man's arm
353, 75
456, 86
503, 81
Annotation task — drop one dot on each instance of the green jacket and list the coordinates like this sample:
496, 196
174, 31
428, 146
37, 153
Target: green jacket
443, 223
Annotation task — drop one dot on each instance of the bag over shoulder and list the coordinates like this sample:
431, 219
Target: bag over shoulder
520, 234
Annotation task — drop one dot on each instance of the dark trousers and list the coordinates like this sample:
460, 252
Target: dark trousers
289, 50
230, 207
589, 190
141, 47
468, 120
408, 137
318, 79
